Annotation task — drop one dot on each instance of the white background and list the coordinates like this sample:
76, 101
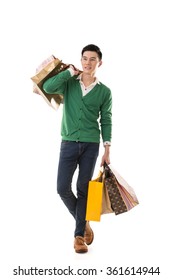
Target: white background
136, 40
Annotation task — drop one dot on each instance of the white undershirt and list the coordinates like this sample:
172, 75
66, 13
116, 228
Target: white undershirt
85, 89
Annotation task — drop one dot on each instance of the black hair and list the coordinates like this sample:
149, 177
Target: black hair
92, 48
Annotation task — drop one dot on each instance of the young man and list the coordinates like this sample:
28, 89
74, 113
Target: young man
87, 115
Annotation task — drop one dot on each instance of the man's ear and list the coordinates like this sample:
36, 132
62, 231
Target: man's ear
100, 63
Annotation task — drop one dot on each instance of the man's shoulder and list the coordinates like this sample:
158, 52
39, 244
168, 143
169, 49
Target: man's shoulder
104, 87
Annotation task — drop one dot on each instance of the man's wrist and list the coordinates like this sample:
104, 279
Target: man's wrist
71, 70
106, 143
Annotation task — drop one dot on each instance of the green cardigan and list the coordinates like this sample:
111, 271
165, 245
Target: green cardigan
84, 117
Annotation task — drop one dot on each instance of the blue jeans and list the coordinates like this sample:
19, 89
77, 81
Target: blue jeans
73, 155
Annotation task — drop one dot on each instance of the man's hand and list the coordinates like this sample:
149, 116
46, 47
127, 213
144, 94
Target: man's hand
75, 70
106, 156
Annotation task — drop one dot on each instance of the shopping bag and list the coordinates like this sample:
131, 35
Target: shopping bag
94, 200
47, 69
39, 68
106, 203
122, 196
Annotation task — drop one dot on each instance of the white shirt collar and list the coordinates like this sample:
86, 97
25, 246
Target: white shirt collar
93, 84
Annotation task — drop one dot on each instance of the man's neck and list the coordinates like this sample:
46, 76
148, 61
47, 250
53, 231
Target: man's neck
87, 79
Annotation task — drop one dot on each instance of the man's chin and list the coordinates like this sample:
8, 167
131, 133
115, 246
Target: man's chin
87, 72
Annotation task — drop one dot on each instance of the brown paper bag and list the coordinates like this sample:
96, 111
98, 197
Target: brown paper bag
106, 204
47, 69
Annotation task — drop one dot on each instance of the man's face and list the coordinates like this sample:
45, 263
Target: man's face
90, 62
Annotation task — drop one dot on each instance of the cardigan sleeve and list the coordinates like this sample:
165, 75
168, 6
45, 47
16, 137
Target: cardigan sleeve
57, 84
106, 117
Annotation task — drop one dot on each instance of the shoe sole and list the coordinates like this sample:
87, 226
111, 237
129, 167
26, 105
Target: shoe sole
81, 251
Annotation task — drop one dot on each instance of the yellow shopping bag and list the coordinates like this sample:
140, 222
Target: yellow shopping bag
94, 200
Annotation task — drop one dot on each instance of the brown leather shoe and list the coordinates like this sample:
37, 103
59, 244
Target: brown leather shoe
79, 245
89, 234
